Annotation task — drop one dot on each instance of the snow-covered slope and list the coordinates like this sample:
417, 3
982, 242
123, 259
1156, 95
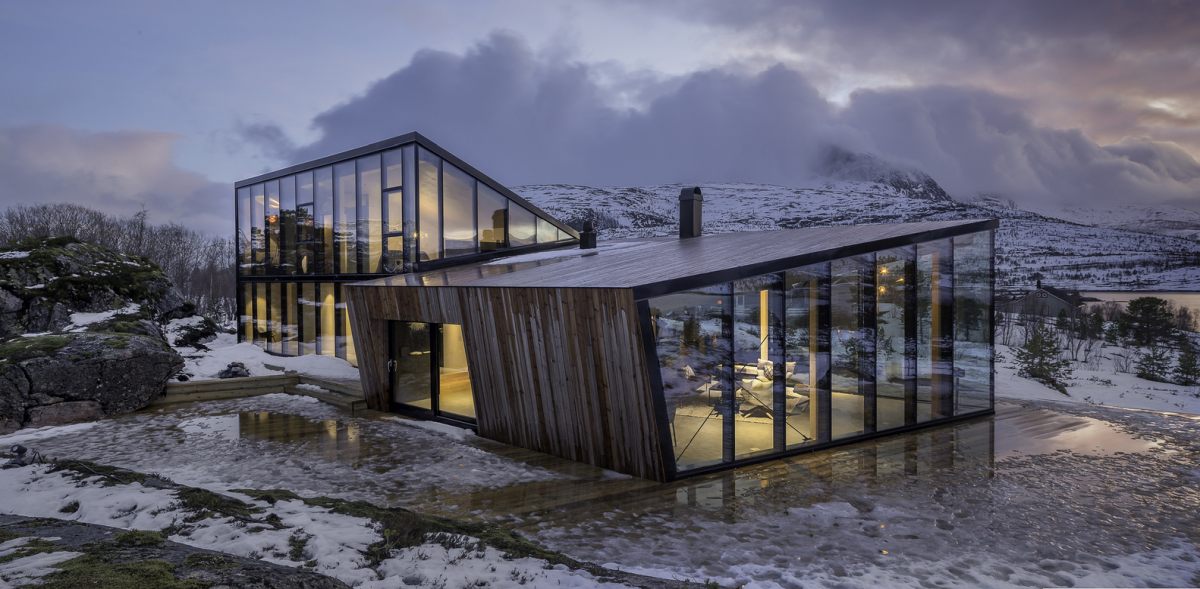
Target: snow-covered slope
1163, 219
1029, 245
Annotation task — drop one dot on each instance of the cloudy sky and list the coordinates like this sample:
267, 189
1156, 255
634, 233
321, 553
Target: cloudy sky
122, 104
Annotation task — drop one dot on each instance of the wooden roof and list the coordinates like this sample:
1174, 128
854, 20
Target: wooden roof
659, 265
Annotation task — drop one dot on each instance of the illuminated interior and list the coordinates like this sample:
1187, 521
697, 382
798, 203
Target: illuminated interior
832, 351
303, 234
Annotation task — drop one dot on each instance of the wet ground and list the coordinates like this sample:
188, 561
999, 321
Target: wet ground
1038, 495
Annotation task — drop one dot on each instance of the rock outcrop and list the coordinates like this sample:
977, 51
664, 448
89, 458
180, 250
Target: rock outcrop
79, 333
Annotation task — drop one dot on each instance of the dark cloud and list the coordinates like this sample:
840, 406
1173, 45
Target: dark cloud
1091, 64
117, 172
527, 118
977, 141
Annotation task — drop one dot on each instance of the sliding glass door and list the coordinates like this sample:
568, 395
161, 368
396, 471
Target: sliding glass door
428, 368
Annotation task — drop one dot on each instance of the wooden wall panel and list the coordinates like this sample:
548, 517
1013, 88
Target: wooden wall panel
555, 370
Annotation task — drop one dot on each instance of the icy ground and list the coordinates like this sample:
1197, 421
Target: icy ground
1042, 494
1009, 501
285, 442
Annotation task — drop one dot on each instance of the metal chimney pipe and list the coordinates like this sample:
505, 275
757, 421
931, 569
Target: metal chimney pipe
587, 237
691, 206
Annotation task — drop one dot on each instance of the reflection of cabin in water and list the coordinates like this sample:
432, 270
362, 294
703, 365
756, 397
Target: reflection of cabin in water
1047, 301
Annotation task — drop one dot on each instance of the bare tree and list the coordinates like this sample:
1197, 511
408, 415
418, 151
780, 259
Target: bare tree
200, 266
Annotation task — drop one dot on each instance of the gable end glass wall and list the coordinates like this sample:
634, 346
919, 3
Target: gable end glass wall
301, 235
834, 351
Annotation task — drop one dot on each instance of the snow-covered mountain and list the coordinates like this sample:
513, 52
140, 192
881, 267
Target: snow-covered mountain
1089, 255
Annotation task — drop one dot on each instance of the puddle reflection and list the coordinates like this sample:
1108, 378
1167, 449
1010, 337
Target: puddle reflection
330, 439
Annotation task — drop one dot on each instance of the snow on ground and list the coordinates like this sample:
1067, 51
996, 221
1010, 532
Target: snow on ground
333, 544
1096, 387
80, 321
297, 443
27, 570
13, 255
204, 365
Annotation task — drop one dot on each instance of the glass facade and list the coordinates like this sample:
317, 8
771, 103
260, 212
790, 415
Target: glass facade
301, 235
828, 352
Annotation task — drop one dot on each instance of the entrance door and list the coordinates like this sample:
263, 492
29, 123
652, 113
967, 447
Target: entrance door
429, 374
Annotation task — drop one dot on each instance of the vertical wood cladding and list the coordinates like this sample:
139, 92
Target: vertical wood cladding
555, 370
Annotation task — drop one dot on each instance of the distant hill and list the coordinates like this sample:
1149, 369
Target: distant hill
1085, 254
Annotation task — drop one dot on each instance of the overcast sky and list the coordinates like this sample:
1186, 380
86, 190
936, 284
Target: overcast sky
122, 104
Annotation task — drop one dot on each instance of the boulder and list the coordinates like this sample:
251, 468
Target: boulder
60, 378
234, 370
53, 278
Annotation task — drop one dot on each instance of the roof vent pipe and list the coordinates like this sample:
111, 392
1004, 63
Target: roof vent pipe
691, 205
587, 237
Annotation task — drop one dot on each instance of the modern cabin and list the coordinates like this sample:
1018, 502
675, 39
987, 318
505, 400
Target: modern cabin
659, 357
400, 205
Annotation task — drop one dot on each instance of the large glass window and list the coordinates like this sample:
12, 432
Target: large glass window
851, 343
258, 232
245, 247
806, 366
261, 321
291, 328
305, 225
328, 321
973, 321
275, 318
493, 219
692, 331
247, 317
370, 214
757, 365
287, 225
895, 386
458, 211
324, 220
309, 303
546, 231
429, 205
522, 226
934, 331
454, 380
393, 169
272, 223
345, 219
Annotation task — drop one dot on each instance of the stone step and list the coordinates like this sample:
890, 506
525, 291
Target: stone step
336, 398
346, 394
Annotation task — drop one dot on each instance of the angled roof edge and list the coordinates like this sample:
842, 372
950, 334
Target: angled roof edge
397, 141
641, 269
959, 227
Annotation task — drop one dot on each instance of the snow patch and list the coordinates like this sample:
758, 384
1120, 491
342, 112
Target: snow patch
224, 349
33, 434
14, 255
27, 570
79, 321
